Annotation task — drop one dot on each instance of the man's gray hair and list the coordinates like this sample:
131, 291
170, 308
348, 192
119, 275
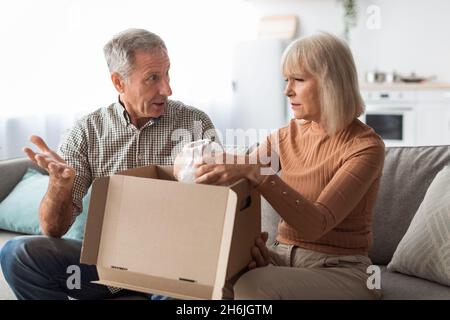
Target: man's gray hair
120, 50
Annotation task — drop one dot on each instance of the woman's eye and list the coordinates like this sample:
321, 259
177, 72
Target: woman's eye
299, 79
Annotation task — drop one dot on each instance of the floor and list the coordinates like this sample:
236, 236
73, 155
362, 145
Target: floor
5, 291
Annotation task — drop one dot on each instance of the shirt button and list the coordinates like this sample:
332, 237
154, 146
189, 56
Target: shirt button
284, 193
272, 182
139, 157
297, 202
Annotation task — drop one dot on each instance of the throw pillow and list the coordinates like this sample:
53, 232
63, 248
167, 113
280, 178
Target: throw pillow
424, 250
19, 211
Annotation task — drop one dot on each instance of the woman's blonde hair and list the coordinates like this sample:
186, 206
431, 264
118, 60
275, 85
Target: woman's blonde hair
329, 60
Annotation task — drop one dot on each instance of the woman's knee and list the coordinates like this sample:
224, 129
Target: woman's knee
254, 284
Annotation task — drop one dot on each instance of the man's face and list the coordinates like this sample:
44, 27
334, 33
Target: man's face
146, 90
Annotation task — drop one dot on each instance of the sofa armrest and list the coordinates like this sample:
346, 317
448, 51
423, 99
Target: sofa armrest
11, 171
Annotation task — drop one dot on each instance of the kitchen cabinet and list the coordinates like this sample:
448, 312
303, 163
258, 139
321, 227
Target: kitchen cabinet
433, 123
433, 117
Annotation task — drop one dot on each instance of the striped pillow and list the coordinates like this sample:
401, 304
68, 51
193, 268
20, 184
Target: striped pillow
424, 250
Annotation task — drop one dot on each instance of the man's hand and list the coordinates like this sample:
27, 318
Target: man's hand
260, 252
61, 174
56, 209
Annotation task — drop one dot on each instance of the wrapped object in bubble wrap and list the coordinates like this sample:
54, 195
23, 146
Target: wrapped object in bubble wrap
192, 153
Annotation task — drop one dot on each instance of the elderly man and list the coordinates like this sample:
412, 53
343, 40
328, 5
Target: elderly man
142, 128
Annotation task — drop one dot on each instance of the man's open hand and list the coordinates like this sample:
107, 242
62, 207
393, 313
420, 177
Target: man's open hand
59, 171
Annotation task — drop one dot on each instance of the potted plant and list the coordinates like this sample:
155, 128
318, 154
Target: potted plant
350, 16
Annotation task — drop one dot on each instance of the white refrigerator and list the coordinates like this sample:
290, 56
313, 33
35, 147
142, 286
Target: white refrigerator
258, 101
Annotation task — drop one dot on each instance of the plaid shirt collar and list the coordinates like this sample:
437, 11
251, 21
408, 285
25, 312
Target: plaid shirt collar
125, 118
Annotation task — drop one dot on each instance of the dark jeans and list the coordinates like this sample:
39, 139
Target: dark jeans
35, 267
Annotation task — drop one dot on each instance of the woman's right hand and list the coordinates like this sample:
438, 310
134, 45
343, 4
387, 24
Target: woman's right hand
61, 174
260, 252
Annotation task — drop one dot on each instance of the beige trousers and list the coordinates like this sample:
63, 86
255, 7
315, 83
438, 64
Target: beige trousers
297, 273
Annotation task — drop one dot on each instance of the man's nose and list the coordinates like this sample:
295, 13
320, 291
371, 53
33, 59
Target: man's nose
165, 89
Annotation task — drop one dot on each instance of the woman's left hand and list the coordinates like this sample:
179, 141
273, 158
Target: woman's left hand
226, 174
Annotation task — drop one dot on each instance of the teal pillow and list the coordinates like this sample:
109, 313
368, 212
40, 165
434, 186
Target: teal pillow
76, 231
19, 211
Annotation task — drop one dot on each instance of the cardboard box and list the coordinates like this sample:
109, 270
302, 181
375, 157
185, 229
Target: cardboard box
147, 232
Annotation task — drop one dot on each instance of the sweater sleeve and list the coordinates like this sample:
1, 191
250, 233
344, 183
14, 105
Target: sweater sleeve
267, 153
347, 187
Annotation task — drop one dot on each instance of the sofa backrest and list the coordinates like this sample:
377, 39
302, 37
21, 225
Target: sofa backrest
407, 174
269, 220
11, 172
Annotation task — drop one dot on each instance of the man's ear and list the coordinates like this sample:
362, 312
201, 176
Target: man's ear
117, 82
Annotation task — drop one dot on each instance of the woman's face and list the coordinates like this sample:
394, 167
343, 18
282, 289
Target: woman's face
303, 93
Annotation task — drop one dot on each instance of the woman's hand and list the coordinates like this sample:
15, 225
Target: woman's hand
260, 252
226, 174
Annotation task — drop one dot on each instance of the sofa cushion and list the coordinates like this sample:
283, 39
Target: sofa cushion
19, 210
269, 220
424, 251
11, 172
407, 173
397, 286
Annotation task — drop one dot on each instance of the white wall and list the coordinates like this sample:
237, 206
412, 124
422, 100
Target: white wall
51, 50
51, 58
414, 34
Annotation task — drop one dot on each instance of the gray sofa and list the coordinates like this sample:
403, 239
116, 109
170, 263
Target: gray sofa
408, 171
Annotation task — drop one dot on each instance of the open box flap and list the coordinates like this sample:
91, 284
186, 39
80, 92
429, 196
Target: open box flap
156, 285
143, 172
225, 245
92, 234
152, 171
247, 227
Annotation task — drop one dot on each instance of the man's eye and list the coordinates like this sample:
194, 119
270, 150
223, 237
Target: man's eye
299, 79
153, 77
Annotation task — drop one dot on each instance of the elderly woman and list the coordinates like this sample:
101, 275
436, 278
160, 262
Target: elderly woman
331, 167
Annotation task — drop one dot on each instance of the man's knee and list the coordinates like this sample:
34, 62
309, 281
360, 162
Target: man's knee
17, 254
11, 254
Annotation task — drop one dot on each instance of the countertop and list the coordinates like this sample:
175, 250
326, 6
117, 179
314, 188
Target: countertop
405, 86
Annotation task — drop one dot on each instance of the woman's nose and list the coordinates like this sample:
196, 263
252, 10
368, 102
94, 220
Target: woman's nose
288, 92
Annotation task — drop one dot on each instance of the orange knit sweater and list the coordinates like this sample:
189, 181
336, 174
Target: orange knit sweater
328, 187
